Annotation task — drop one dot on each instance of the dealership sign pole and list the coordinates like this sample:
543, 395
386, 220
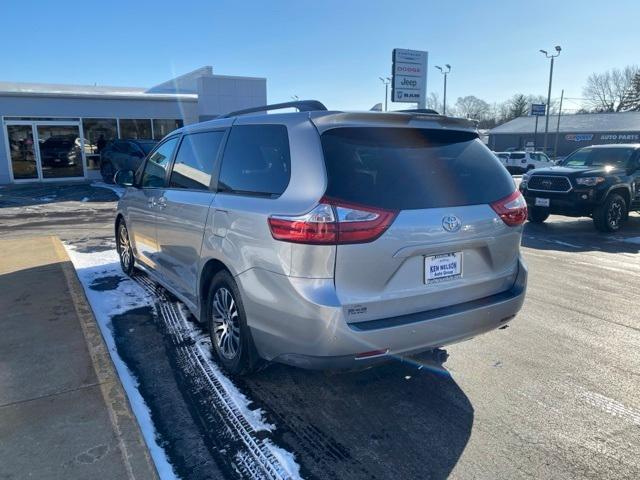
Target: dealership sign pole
409, 76
537, 110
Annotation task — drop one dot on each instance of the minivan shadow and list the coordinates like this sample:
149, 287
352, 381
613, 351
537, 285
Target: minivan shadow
397, 420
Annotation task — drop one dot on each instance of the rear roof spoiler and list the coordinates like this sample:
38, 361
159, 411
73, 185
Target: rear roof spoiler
326, 120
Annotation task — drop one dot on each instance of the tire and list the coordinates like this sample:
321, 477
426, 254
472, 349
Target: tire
230, 336
611, 215
538, 215
107, 172
125, 251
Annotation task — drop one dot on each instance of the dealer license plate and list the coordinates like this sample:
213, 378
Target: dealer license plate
439, 268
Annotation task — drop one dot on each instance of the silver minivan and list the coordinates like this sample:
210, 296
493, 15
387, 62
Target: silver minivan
328, 239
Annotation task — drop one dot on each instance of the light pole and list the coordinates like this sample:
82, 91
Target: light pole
445, 73
546, 123
386, 81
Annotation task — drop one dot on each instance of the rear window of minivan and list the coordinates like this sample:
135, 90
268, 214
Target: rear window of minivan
411, 168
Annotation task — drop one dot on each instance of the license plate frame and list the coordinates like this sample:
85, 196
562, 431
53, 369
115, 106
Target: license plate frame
542, 202
448, 266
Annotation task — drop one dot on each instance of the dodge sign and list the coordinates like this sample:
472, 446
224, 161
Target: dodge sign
409, 76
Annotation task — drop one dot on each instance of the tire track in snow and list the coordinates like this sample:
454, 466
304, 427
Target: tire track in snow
257, 457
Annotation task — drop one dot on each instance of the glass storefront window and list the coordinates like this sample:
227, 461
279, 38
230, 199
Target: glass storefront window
135, 128
98, 132
23, 158
162, 127
60, 151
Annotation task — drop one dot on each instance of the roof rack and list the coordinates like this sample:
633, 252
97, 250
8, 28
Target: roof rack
427, 111
301, 105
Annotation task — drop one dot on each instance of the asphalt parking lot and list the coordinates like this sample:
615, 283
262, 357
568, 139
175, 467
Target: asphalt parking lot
555, 395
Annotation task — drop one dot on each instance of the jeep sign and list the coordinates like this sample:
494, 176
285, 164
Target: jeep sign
409, 76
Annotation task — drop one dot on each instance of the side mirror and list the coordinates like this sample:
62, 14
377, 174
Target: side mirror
124, 178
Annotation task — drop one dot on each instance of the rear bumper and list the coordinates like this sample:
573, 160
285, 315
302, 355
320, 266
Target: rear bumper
306, 326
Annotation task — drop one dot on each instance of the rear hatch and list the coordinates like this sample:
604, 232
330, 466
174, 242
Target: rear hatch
517, 160
446, 244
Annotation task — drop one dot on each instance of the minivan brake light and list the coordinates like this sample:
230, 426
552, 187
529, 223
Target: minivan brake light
333, 222
512, 209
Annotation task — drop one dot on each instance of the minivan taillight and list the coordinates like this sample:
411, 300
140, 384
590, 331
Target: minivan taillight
333, 222
512, 209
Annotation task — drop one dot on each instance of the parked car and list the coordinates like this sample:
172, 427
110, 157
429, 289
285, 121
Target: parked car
520, 162
601, 182
503, 157
328, 239
123, 154
59, 151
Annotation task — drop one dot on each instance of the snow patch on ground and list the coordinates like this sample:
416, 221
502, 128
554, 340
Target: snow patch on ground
118, 190
106, 304
129, 294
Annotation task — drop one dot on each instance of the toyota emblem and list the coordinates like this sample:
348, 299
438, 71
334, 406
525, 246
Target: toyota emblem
451, 223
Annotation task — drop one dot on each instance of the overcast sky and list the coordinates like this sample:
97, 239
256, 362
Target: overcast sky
333, 51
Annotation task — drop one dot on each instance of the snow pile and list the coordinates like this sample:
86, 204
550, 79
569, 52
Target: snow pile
105, 305
97, 267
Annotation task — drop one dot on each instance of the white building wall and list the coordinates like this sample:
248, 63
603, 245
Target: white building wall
220, 94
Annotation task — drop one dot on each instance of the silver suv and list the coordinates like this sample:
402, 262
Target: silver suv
327, 239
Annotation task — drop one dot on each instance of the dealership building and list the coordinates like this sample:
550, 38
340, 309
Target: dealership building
55, 132
575, 131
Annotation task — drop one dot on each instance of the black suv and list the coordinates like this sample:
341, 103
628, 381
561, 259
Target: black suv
602, 182
123, 154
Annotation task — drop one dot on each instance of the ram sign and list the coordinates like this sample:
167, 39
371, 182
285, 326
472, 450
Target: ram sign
409, 76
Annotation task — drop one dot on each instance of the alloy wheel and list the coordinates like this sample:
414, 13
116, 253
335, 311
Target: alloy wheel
124, 247
614, 215
226, 323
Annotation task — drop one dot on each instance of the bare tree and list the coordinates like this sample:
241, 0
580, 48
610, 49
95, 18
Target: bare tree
632, 100
609, 91
472, 107
518, 106
433, 102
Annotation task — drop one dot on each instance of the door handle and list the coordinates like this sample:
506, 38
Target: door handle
151, 202
162, 203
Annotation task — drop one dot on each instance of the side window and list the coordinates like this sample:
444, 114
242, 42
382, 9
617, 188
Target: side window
256, 161
120, 147
156, 166
195, 159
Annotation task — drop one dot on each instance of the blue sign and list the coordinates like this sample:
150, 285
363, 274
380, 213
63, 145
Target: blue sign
538, 109
579, 137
